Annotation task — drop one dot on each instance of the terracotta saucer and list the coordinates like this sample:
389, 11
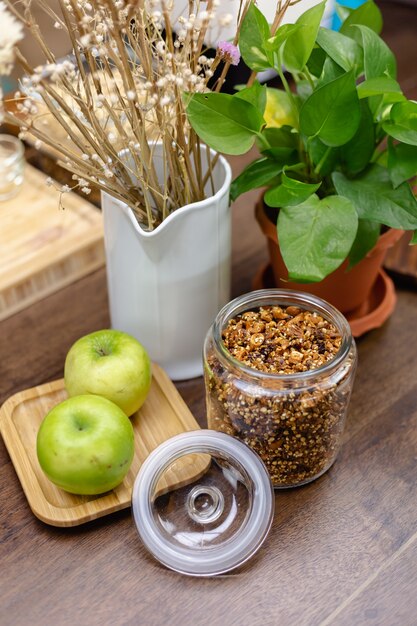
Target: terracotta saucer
376, 309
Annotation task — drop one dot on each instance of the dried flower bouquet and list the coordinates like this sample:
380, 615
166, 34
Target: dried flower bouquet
123, 88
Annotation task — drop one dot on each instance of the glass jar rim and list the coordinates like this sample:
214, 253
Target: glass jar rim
289, 297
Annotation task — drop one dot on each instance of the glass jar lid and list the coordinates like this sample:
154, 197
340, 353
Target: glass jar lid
203, 503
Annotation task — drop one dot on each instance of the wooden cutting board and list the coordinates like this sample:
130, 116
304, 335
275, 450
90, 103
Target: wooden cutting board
163, 415
42, 247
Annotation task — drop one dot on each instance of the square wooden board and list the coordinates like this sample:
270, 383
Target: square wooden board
163, 415
42, 247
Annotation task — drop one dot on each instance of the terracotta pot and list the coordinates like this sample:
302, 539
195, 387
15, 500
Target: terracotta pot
346, 290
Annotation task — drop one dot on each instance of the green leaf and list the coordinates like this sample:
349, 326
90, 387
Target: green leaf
392, 98
256, 95
343, 50
357, 153
284, 156
381, 158
290, 192
378, 58
274, 43
331, 71
257, 174
225, 123
375, 198
316, 61
403, 122
332, 112
413, 239
320, 153
315, 237
300, 44
378, 86
254, 34
367, 14
280, 137
366, 238
402, 162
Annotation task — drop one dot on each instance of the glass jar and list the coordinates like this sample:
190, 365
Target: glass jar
293, 421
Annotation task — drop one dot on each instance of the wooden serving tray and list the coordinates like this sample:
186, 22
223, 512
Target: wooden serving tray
163, 415
42, 247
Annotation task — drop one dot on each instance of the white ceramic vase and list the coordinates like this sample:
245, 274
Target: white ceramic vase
166, 286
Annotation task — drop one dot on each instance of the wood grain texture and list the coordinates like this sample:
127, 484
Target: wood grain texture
42, 247
341, 550
163, 415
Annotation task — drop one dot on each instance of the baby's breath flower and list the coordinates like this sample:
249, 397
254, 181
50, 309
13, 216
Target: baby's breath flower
10, 33
225, 20
85, 40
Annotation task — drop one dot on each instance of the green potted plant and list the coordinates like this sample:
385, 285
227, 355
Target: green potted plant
338, 147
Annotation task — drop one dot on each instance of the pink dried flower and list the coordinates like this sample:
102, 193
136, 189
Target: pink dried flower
229, 52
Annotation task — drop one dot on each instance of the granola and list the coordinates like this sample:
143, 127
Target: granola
281, 340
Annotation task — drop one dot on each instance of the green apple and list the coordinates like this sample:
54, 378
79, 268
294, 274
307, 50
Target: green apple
85, 445
112, 364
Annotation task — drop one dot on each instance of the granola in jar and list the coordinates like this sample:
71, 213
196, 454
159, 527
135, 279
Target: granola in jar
278, 377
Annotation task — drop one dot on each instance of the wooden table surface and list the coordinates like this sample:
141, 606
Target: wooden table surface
342, 550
